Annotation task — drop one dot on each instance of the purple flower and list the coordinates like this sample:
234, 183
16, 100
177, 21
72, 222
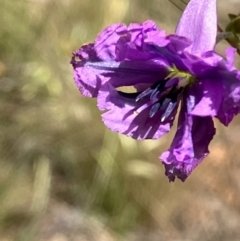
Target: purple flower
167, 71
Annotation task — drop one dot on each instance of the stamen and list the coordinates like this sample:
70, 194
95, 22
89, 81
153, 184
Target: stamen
165, 99
165, 103
154, 109
157, 89
154, 94
169, 97
153, 91
170, 103
170, 108
143, 94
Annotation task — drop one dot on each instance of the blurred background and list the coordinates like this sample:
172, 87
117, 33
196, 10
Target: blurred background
63, 175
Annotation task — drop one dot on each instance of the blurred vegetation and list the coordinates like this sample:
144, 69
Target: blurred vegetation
63, 175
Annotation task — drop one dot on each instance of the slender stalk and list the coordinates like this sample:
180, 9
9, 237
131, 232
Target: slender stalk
229, 40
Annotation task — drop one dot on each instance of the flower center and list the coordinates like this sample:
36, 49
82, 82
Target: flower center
164, 95
185, 78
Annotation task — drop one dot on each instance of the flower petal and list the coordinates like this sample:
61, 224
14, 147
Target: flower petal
118, 55
205, 97
111, 43
215, 91
218, 96
199, 24
190, 145
131, 118
230, 52
86, 80
230, 105
169, 49
106, 41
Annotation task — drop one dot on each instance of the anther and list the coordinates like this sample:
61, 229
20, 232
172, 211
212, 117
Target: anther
154, 109
143, 94
153, 91
170, 108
